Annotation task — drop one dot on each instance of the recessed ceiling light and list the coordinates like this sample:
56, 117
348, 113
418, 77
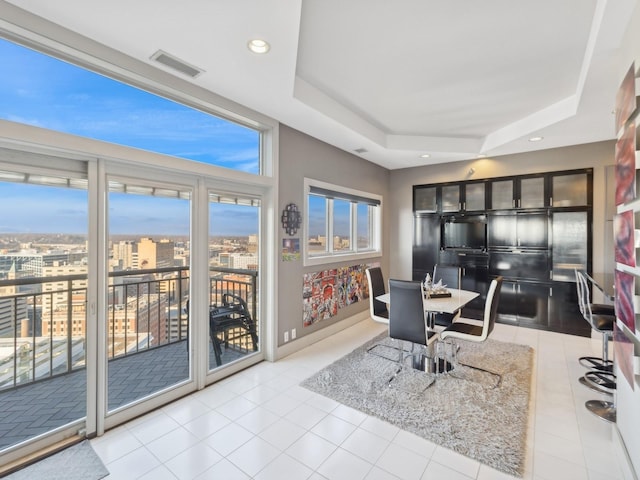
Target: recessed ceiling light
535, 139
258, 45
425, 155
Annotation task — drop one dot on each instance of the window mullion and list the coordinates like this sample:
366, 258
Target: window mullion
353, 220
329, 228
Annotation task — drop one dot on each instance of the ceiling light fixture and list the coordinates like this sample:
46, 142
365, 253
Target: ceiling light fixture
425, 155
258, 45
535, 139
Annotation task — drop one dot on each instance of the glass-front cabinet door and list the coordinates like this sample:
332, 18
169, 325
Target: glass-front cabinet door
531, 192
425, 199
474, 196
569, 190
451, 198
502, 194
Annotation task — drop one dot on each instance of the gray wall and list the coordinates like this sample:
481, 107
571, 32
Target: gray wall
303, 156
595, 155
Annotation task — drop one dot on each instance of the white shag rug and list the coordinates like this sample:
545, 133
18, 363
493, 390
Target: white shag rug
460, 410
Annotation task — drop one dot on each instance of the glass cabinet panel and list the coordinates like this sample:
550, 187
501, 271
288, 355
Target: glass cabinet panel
569, 190
425, 199
570, 233
450, 198
532, 192
474, 196
502, 194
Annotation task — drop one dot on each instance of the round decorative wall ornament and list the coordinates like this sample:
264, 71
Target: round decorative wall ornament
291, 219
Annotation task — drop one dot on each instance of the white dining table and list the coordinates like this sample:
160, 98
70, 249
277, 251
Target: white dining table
457, 300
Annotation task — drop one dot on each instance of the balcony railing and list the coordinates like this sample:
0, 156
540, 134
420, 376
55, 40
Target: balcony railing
43, 320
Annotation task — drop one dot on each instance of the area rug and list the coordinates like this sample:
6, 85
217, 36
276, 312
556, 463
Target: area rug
462, 412
78, 462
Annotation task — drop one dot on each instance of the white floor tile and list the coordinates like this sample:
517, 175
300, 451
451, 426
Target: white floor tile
343, 465
402, 463
223, 470
172, 444
133, 465
465, 465
282, 433
436, 470
262, 424
207, 424
115, 444
365, 445
311, 450
257, 420
193, 461
333, 429
253, 456
153, 428
227, 439
284, 467
306, 415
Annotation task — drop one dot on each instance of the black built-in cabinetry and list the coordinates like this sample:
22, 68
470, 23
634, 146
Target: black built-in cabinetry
537, 229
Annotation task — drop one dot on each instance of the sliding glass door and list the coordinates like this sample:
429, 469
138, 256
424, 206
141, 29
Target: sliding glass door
234, 264
147, 314
44, 271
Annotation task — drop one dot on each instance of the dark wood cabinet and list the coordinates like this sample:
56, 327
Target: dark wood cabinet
536, 231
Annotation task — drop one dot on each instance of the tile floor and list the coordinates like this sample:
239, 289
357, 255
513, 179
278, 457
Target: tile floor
260, 424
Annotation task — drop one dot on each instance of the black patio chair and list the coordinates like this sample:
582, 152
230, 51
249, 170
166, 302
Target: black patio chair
232, 314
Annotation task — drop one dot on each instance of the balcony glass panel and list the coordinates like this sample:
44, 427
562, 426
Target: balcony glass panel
43, 294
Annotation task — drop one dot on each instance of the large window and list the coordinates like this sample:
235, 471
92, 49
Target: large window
340, 222
40, 90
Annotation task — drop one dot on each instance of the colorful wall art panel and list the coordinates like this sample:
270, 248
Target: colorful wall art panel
327, 291
624, 234
625, 287
623, 351
626, 98
626, 165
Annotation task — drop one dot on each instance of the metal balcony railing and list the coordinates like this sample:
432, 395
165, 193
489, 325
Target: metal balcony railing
43, 320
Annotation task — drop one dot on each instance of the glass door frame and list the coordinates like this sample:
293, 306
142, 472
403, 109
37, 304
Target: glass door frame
66, 156
266, 269
137, 175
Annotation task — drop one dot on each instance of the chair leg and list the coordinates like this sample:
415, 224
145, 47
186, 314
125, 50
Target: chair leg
401, 361
454, 357
372, 347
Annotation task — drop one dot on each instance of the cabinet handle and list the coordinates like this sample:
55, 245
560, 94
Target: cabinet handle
513, 204
519, 203
550, 291
464, 205
551, 201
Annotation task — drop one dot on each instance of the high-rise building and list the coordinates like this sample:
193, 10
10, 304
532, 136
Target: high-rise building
152, 254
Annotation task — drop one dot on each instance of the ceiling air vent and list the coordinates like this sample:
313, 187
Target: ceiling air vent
360, 150
176, 64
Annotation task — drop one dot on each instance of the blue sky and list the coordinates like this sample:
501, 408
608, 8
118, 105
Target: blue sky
38, 90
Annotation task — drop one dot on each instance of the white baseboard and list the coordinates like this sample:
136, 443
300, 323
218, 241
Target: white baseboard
302, 342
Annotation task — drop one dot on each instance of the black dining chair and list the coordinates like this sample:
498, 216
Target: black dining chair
377, 309
407, 320
461, 330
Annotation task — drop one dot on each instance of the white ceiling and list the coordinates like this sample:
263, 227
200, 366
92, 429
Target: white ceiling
453, 78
